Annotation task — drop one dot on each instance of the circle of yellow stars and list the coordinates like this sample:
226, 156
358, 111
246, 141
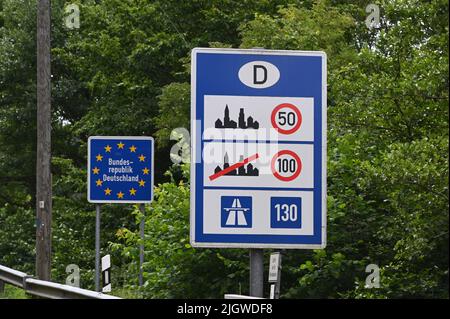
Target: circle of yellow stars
96, 170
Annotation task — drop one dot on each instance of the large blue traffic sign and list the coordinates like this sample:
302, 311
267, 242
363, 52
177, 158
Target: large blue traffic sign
120, 169
258, 168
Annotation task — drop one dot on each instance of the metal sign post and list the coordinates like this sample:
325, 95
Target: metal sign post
141, 246
97, 247
256, 272
120, 170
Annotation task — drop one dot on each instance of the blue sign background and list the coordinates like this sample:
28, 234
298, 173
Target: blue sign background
216, 73
120, 169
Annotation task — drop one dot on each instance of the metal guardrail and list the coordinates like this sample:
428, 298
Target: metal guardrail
232, 296
47, 289
12, 276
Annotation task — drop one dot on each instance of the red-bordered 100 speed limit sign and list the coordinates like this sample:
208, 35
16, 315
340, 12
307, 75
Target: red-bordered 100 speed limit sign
286, 165
286, 118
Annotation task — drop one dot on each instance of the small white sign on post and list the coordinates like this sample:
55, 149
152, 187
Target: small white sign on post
106, 273
275, 275
272, 291
274, 267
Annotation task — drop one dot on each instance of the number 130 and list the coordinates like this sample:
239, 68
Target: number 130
286, 212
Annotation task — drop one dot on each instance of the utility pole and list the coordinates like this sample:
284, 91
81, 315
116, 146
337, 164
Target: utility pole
43, 155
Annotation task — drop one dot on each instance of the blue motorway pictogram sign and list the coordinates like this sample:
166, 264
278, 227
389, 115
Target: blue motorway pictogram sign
120, 169
236, 211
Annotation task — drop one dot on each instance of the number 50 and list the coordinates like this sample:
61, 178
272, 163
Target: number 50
290, 118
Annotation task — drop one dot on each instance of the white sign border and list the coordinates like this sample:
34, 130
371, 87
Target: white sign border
195, 131
149, 138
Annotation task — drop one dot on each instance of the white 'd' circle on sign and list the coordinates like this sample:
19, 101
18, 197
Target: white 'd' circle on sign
259, 74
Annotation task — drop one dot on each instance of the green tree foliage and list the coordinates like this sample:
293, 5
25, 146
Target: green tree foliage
17, 135
381, 97
127, 70
174, 110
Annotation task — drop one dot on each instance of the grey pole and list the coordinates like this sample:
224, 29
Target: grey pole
141, 247
257, 262
256, 272
97, 247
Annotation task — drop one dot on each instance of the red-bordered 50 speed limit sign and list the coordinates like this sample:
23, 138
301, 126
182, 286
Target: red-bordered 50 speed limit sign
286, 165
286, 118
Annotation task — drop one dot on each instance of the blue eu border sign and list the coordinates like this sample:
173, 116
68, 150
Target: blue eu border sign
258, 160
120, 169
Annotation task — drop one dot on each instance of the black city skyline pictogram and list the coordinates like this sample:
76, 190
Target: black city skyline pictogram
244, 170
242, 123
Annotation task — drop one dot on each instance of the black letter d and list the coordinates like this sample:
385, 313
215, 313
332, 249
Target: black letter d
255, 74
